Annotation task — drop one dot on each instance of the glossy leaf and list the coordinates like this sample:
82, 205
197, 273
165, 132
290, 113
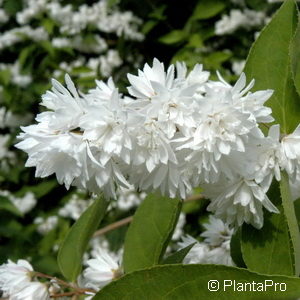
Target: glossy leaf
73, 247
192, 282
178, 257
269, 64
150, 231
207, 9
266, 244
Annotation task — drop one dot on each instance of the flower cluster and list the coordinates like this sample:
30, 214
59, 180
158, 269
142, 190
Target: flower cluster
176, 131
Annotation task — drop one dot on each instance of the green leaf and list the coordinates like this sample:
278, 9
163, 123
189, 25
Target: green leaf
49, 25
266, 244
41, 189
235, 249
150, 231
289, 211
295, 58
12, 7
191, 282
178, 256
206, 9
7, 205
173, 37
269, 64
5, 76
215, 59
72, 249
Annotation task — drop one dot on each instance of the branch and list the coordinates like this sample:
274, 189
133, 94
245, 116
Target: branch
127, 220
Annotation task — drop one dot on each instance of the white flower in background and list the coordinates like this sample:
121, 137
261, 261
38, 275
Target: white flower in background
24, 204
74, 207
10, 120
4, 152
15, 35
215, 249
3, 16
101, 270
109, 62
239, 19
128, 198
197, 254
179, 227
217, 233
16, 282
45, 224
238, 67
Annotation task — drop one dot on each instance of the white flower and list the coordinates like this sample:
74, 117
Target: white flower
217, 233
128, 198
237, 18
32, 291
178, 231
45, 224
291, 152
269, 156
74, 207
222, 127
239, 201
215, 249
197, 254
15, 282
25, 203
101, 270
14, 276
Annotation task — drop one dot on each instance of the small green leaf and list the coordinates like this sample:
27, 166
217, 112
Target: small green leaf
269, 64
266, 244
289, 211
150, 231
5, 76
206, 9
7, 205
178, 257
197, 282
72, 249
173, 37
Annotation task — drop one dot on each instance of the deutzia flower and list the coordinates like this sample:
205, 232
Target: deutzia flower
16, 282
291, 152
101, 270
269, 155
32, 291
197, 254
240, 200
14, 276
222, 127
217, 233
215, 249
